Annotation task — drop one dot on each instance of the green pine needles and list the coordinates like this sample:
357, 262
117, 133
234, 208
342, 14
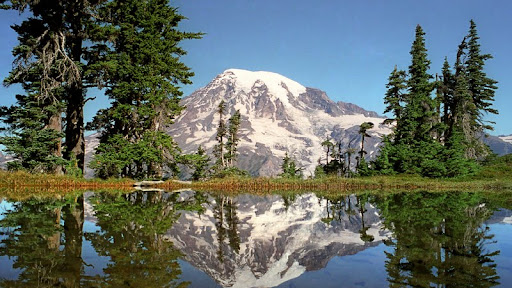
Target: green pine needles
438, 123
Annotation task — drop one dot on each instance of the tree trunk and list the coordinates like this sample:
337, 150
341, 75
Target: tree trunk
73, 233
55, 123
75, 143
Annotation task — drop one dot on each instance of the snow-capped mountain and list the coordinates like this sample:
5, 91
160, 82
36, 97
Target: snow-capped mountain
279, 115
270, 242
498, 144
507, 139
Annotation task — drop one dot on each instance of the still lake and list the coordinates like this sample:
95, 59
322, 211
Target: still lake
198, 239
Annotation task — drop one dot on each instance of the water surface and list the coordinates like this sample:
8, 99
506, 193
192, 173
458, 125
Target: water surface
195, 239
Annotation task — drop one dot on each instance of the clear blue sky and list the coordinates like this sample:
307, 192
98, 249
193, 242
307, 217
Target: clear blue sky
346, 48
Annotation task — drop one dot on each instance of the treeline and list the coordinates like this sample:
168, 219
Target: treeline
131, 49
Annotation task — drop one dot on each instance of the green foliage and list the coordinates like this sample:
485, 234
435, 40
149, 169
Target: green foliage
230, 172
320, 172
218, 150
232, 139
427, 225
290, 169
363, 169
29, 139
437, 137
142, 65
395, 95
71, 167
225, 151
118, 157
199, 162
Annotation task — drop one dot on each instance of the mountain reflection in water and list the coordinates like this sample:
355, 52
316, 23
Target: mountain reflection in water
193, 239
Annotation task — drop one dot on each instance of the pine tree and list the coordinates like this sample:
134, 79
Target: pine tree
445, 89
482, 88
289, 168
329, 145
232, 139
363, 128
143, 70
395, 95
31, 140
420, 110
415, 144
199, 161
52, 40
218, 150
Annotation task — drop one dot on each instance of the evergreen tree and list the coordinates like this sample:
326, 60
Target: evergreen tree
420, 111
329, 145
363, 128
482, 88
218, 150
395, 95
199, 161
52, 40
142, 68
289, 168
232, 139
31, 140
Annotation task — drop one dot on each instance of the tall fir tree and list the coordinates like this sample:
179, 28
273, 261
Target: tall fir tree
396, 94
143, 70
52, 39
482, 90
219, 149
232, 139
290, 169
420, 111
413, 147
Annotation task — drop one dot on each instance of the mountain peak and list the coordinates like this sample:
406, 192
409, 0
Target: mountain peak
276, 83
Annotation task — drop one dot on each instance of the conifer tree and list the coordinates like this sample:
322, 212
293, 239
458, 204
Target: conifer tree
482, 90
232, 139
363, 128
52, 40
330, 146
143, 70
289, 168
481, 87
395, 95
218, 150
420, 110
199, 161
30, 139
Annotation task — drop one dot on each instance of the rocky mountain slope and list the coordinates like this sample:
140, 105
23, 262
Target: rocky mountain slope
279, 116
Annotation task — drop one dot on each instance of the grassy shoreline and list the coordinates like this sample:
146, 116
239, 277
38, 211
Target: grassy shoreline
489, 179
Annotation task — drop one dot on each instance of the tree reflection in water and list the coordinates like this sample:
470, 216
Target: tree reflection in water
225, 213
439, 239
132, 235
44, 237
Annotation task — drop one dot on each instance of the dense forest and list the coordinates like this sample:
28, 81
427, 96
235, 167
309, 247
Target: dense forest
131, 50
